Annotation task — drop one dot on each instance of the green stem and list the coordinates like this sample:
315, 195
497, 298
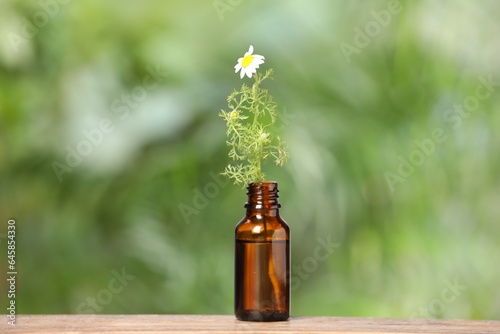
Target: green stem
255, 89
259, 170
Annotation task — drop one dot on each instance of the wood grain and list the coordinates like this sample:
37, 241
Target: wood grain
178, 324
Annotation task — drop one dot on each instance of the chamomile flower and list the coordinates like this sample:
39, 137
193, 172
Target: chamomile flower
249, 63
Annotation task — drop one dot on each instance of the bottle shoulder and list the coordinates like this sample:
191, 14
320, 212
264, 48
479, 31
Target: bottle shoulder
256, 227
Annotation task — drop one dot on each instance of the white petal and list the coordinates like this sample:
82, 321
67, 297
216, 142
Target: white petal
249, 74
258, 57
250, 49
237, 67
242, 73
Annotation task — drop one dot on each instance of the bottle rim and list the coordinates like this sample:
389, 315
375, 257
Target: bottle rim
263, 194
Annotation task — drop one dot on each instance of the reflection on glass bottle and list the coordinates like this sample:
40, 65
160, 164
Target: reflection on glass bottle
262, 259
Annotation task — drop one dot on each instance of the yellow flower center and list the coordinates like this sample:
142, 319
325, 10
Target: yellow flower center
247, 60
234, 114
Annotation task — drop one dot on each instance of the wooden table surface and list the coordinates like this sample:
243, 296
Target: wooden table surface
228, 324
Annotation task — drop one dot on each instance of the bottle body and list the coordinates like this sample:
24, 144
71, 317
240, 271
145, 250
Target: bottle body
262, 258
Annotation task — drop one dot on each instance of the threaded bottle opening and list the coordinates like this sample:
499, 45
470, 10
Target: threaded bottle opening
263, 195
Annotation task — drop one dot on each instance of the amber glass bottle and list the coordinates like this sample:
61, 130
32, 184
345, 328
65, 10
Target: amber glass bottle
262, 259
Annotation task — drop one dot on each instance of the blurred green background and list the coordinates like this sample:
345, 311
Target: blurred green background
391, 123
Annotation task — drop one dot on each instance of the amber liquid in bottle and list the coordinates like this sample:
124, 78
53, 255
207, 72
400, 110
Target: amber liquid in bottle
262, 258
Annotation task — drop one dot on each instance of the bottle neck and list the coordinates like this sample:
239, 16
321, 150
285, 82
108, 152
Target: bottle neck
263, 197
